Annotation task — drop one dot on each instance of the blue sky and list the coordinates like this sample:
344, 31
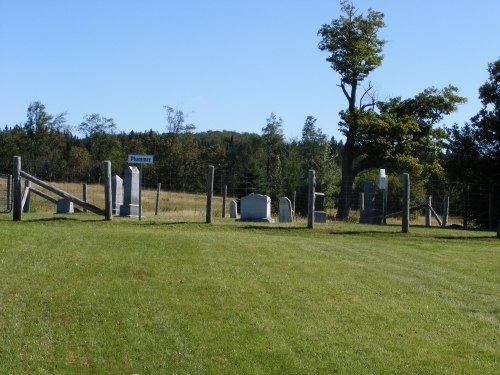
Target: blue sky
231, 62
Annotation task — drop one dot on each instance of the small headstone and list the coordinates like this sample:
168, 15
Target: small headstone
130, 206
116, 194
285, 210
370, 215
64, 206
319, 208
256, 207
233, 210
319, 216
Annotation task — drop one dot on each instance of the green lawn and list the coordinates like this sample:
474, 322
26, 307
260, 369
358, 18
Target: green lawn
79, 295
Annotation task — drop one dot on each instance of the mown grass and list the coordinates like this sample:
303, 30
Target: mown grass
177, 296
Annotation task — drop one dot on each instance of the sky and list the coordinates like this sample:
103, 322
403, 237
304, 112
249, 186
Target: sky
228, 63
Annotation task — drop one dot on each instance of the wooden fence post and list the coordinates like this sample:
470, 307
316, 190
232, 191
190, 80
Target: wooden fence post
310, 198
446, 211
158, 189
406, 203
26, 207
108, 212
17, 214
210, 193
224, 202
428, 205
9, 193
490, 210
84, 195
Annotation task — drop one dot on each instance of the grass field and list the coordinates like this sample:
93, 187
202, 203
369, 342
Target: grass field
173, 295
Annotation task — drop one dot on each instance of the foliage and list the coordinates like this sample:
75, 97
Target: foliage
397, 134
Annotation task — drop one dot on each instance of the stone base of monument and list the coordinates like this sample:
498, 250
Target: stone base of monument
370, 217
64, 206
116, 209
263, 220
129, 210
319, 216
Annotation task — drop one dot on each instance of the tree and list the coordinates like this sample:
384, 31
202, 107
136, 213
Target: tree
272, 136
397, 132
474, 149
101, 142
39, 128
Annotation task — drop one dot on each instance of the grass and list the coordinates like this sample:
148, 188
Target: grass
176, 296
171, 203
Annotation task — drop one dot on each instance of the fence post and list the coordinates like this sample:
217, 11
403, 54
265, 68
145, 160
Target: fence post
406, 203
9, 193
490, 210
428, 205
466, 203
17, 214
384, 200
224, 202
446, 211
26, 208
310, 199
158, 189
210, 192
84, 195
108, 212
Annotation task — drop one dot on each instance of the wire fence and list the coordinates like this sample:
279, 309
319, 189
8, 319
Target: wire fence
5, 193
470, 205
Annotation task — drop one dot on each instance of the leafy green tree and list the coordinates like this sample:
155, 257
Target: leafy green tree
398, 132
102, 143
273, 139
40, 127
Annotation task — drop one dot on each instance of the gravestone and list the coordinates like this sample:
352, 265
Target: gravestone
64, 206
130, 206
319, 208
256, 207
233, 210
116, 194
370, 215
285, 210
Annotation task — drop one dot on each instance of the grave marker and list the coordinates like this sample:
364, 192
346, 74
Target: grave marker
285, 210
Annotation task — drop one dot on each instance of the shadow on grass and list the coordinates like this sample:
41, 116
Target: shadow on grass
272, 228
462, 236
57, 219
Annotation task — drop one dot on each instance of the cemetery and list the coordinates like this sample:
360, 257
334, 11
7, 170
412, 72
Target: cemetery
268, 287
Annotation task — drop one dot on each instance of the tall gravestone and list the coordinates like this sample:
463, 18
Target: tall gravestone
233, 210
116, 194
256, 207
285, 210
130, 206
370, 215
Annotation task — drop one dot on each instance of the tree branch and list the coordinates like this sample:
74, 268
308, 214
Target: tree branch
342, 85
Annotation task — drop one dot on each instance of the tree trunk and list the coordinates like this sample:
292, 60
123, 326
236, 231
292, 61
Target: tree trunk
345, 197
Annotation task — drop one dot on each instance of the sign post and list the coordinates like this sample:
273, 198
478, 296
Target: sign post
140, 159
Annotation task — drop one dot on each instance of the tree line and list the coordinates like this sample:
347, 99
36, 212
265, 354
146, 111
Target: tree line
265, 163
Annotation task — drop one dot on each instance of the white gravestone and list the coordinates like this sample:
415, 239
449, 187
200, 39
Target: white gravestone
233, 210
285, 210
116, 194
130, 206
256, 207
